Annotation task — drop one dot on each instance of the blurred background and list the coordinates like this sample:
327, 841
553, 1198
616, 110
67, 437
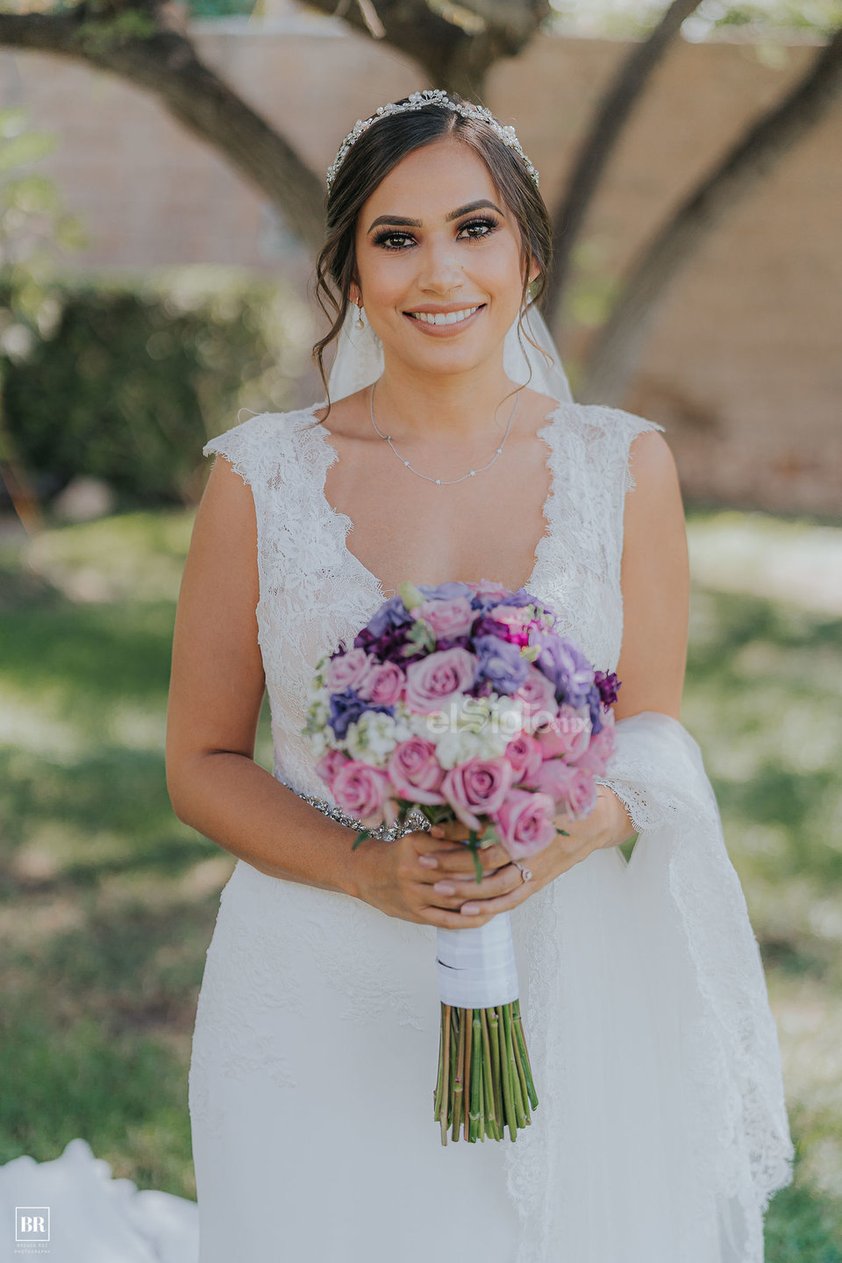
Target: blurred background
161, 206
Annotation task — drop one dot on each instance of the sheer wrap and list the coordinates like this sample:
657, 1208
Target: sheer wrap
688, 1074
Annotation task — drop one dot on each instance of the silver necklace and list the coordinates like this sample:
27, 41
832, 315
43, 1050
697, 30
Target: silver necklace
443, 482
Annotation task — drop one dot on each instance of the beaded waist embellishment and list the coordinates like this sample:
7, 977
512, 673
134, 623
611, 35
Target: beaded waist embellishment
415, 822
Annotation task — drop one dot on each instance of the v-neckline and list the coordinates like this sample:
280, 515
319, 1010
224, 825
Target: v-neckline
343, 523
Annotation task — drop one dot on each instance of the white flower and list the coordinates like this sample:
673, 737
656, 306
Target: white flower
373, 737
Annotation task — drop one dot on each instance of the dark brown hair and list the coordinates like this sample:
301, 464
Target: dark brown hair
369, 161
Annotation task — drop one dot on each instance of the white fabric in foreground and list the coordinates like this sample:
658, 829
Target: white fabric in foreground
94, 1218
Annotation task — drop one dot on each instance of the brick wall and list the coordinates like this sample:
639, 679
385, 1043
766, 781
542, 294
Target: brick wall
743, 363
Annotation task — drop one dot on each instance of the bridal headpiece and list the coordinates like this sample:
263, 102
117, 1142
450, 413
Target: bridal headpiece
418, 101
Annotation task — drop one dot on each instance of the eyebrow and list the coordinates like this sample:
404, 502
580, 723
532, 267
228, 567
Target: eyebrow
416, 223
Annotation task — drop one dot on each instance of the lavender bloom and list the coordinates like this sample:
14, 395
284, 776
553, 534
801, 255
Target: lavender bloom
485, 601
566, 666
595, 709
346, 708
444, 591
387, 632
500, 663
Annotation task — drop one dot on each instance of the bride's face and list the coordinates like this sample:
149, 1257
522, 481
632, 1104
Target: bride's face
436, 236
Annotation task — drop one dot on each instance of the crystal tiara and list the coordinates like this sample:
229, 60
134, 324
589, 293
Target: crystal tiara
417, 101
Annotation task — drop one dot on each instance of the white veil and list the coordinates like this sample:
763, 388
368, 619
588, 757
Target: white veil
359, 357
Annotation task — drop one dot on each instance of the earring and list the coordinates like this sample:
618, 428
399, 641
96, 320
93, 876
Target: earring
360, 321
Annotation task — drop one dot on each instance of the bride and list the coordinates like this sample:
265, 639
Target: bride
448, 447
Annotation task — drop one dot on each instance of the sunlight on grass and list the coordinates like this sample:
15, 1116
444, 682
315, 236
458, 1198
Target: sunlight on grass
109, 901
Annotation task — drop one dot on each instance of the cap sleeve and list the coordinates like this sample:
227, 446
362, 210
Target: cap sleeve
629, 426
244, 446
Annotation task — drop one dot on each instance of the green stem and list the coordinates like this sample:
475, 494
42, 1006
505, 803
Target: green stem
488, 1074
521, 1077
511, 1068
505, 1074
521, 1038
467, 1018
444, 1095
494, 1040
439, 1073
476, 1077
457, 1085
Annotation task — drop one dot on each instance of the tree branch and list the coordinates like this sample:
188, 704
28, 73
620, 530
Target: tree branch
599, 143
454, 41
765, 143
137, 43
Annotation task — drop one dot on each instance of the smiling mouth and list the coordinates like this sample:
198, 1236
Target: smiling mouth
444, 319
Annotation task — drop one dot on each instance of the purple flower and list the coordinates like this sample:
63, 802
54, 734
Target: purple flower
595, 708
488, 594
445, 591
607, 685
566, 666
346, 708
387, 632
500, 662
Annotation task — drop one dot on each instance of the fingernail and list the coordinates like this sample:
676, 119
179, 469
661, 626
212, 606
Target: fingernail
429, 861
444, 888
470, 908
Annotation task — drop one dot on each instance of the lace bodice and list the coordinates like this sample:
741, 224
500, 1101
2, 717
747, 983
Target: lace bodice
314, 591
675, 918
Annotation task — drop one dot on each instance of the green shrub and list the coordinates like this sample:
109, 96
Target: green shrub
131, 378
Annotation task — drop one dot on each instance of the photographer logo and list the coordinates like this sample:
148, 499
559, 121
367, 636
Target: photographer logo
32, 1226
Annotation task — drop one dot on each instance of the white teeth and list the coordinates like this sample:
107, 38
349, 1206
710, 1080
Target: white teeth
449, 318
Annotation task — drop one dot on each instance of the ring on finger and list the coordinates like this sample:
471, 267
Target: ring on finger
526, 873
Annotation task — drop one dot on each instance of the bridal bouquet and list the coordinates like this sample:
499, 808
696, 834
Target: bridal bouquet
461, 702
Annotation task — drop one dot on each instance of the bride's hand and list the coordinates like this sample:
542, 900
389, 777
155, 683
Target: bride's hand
398, 878
602, 827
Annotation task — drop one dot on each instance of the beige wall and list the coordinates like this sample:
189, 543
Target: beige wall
744, 363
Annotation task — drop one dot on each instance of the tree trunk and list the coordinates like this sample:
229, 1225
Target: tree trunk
619, 343
164, 63
613, 113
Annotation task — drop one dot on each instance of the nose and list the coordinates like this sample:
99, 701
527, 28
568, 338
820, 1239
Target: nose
441, 270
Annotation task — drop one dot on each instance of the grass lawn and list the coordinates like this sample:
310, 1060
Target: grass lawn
107, 901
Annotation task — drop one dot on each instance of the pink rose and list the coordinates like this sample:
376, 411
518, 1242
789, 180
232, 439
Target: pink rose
556, 778
447, 619
346, 671
363, 792
524, 754
490, 588
572, 788
434, 680
538, 696
477, 787
568, 734
525, 822
598, 754
415, 771
383, 683
329, 764
516, 620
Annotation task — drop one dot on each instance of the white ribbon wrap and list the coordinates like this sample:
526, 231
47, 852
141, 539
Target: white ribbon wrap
476, 966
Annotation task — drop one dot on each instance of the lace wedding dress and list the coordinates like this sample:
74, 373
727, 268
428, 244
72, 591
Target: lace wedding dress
661, 1131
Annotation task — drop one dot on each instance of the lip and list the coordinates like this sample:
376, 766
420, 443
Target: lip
445, 331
